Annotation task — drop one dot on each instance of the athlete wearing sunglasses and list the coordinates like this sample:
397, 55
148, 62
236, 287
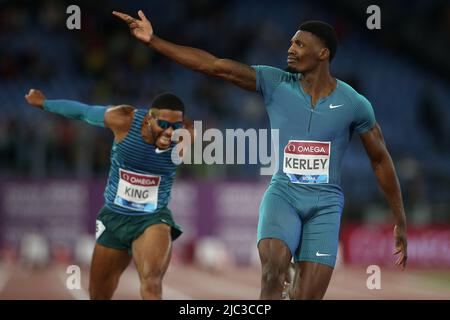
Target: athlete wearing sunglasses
135, 222
166, 124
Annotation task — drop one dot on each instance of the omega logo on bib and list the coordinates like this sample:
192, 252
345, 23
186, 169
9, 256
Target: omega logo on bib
307, 161
137, 191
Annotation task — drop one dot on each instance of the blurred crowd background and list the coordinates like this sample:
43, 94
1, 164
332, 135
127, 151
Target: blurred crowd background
403, 69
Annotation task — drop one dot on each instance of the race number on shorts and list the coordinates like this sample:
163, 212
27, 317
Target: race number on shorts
137, 191
99, 228
307, 162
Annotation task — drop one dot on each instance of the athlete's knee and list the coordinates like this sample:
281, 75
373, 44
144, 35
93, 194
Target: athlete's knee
151, 285
273, 273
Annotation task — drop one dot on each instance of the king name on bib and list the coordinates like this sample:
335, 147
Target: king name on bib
307, 161
137, 191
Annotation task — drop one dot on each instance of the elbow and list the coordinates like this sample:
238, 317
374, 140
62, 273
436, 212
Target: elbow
216, 68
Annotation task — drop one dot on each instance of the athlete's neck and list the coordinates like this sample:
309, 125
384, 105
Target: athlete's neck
318, 83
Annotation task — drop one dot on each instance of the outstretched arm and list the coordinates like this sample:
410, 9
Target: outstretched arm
118, 118
68, 108
238, 73
387, 179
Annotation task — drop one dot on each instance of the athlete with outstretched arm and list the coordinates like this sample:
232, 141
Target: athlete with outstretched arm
135, 221
316, 115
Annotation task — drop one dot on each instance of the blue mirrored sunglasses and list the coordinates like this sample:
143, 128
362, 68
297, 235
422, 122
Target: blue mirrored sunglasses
166, 124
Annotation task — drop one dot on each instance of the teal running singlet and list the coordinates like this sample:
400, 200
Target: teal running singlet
141, 176
304, 201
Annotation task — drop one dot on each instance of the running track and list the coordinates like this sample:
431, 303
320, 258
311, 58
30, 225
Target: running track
190, 282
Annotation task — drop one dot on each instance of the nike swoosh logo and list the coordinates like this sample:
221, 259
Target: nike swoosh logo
336, 106
161, 151
322, 254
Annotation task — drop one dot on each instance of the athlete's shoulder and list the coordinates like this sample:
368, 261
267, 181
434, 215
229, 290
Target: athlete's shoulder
364, 116
268, 79
273, 72
119, 117
353, 96
123, 109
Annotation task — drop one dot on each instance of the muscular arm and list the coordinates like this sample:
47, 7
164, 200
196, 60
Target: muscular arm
384, 170
118, 119
240, 74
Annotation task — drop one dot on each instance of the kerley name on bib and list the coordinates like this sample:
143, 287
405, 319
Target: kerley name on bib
307, 162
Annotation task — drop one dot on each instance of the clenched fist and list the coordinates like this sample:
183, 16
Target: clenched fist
36, 98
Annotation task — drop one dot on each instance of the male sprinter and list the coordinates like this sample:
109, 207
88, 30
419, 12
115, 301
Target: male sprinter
135, 221
316, 115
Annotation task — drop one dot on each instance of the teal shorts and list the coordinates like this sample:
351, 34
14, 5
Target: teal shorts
118, 231
306, 218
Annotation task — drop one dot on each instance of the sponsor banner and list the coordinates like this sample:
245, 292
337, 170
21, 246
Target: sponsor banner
185, 206
62, 210
237, 210
54, 209
428, 246
311, 148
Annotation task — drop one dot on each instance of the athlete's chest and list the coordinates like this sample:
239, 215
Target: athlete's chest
145, 157
291, 112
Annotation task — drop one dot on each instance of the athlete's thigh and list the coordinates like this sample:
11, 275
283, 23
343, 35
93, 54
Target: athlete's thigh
311, 280
107, 265
320, 235
278, 220
152, 251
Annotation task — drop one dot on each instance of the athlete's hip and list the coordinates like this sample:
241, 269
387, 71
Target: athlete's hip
304, 199
280, 183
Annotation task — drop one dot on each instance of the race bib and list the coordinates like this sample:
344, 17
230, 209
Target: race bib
137, 191
307, 161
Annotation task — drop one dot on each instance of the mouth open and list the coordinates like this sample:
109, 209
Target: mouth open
163, 142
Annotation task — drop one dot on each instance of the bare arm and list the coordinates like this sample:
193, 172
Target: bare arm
384, 170
119, 120
238, 73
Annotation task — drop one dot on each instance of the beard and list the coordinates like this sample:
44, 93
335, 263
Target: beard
290, 69
293, 68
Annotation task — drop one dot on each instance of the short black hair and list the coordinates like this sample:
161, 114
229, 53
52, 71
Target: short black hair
169, 101
324, 32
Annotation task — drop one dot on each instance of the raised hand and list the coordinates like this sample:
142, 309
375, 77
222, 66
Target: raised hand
36, 98
140, 29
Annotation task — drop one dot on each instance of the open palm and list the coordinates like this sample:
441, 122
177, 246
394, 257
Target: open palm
141, 29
